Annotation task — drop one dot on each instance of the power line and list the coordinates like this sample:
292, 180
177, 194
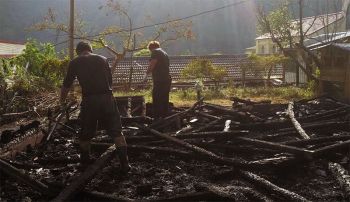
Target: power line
180, 19
195, 15
173, 20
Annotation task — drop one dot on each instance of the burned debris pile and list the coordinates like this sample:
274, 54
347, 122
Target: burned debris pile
250, 151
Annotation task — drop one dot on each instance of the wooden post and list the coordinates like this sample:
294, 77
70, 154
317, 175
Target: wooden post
85, 177
71, 30
284, 73
243, 77
132, 64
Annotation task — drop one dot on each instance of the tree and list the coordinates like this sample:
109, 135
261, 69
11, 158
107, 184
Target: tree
266, 64
142, 53
203, 69
118, 39
278, 25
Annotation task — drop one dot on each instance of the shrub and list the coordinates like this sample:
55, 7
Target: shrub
142, 52
203, 69
38, 68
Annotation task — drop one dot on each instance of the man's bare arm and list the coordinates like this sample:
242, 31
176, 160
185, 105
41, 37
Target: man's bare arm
64, 94
152, 65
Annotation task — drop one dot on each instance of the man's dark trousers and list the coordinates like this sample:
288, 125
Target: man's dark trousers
160, 98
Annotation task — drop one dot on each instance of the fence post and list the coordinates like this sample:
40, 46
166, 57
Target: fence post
132, 64
297, 73
243, 77
284, 73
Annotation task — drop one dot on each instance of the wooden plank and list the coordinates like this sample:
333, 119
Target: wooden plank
267, 185
86, 176
342, 176
26, 179
284, 148
296, 124
318, 140
331, 148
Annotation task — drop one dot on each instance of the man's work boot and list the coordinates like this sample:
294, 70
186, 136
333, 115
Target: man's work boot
122, 153
123, 159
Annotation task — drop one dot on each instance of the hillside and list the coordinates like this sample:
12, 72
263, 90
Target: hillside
229, 30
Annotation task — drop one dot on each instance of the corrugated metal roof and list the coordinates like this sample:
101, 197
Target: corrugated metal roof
324, 40
10, 49
312, 24
343, 46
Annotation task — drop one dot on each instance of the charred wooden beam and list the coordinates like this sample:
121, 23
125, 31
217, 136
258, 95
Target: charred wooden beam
280, 124
138, 119
237, 114
86, 176
272, 188
53, 128
168, 120
141, 149
235, 196
61, 114
283, 161
325, 115
235, 193
331, 148
295, 122
88, 195
13, 116
284, 148
22, 177
321, 125
318, 140
342, 176
31, 138
192, 196
214, 134
8, 134
209, 125
211, 156
245, 149
336, 169
324, 126
206, 115
99, 196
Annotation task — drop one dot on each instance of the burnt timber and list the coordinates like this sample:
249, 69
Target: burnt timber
252, 151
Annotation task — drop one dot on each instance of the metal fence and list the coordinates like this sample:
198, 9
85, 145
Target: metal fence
232, 63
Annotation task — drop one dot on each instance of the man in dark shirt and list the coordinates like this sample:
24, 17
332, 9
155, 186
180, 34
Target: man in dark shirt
159, 67
98, 104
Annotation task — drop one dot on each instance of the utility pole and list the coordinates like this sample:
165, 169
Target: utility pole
301, 42
301, 22
71, 30
132, 63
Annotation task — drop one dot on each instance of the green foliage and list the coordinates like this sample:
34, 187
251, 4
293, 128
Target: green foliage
142, 53
191, 94
36, 69
204, 69
278, 22
277, 94
264, 63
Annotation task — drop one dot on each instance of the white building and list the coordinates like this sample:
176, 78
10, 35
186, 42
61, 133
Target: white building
312, 27
10, 49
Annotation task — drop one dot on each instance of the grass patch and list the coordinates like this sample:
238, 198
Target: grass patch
188, 97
